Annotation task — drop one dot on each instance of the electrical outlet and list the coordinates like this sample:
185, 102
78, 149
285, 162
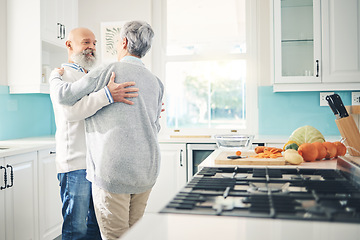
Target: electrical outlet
323, 101
355, 98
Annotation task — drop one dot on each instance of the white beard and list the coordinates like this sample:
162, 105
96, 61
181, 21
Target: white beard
84, 60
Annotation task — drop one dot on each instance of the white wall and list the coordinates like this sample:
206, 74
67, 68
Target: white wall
265, 43
93, 12
3, 52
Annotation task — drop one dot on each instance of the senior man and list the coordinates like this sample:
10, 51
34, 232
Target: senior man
79, 221
123, 151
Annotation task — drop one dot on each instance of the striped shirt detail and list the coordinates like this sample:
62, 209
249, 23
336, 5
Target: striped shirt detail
74, 66
108, 95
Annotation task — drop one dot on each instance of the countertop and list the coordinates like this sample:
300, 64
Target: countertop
24, 145
188, 227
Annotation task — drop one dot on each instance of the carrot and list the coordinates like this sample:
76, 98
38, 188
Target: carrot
268, 152
259, 149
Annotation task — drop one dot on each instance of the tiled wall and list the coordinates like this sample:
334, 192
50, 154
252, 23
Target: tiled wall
31, 115
282, 113
25, 115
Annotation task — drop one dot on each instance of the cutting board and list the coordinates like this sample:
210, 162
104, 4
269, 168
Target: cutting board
222, 159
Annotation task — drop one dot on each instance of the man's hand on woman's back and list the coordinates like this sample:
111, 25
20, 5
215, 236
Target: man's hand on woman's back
120, 92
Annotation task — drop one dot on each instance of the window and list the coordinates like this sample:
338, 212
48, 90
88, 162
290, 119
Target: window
208, 51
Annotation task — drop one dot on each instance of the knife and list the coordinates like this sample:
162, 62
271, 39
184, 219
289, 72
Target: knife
236, 157
339, 105
332, 106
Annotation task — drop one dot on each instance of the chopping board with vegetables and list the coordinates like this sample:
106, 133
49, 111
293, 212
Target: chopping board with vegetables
246, 158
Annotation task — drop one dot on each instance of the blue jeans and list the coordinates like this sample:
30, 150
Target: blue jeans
77, 207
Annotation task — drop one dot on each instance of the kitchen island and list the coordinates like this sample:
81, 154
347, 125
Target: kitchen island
182, 226
173, 226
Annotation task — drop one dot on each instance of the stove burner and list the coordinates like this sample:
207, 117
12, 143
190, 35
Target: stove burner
322, 208
268, 188
299, 177
236, 176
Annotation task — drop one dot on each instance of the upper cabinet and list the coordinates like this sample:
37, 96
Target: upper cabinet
36, 34
3, 61
55, 25
341, 41
298, 39
316, 45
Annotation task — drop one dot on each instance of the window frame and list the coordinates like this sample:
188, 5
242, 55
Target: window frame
159, 60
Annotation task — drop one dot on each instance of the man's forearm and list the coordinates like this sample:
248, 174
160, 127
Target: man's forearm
86, 107
69, 93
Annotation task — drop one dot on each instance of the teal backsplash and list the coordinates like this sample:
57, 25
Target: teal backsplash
31, 115
25, 115
281, 113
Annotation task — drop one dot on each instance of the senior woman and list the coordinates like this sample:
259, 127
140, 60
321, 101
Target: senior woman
123, 154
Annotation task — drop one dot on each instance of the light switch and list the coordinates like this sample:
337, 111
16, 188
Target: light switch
355, 98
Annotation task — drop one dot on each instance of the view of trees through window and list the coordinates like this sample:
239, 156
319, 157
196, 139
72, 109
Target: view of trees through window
206, 94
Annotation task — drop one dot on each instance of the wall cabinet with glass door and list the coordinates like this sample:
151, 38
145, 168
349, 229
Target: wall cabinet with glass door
316, 45
297, 41
37, 45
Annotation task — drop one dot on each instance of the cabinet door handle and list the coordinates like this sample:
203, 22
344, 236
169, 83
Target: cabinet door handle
59, 30
11, 176
52, 152
317, 68
63, 32
5, 178
181, 160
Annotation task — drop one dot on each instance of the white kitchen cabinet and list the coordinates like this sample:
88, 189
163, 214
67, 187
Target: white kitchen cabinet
297, 41
58, 17
341, 41
3, 80
2, 199
316, 45
50, 218
172, 176
29, 65
19, 206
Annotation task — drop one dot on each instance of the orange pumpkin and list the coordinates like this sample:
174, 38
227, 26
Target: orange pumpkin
330, 149
308, 151
340, 149
321, 150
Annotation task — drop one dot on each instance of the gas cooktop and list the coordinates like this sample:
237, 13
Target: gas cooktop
282, 193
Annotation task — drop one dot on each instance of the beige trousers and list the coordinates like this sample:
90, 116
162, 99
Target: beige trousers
116, 213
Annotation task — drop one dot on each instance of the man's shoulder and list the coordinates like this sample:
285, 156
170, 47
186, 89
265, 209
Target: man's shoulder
71, 74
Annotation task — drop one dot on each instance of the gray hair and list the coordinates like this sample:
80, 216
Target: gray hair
139, 36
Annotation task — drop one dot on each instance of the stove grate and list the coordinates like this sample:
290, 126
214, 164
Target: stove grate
331, 187
266, 172
272, 204
212, 184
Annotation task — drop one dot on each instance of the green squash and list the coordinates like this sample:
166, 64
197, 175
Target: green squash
292, 146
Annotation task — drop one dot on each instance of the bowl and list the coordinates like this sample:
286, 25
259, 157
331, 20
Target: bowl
234, 141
